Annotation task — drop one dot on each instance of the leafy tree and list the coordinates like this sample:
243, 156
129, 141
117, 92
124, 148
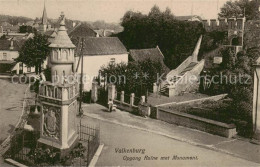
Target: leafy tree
27, 29
34, 52
237, 9
134, 77
175, 38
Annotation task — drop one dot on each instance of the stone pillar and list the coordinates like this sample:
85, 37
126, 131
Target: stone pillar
148, 111
132, 98
171, 91
94, 96
122, 97
142, 99
256, 104
155, 88
111, 92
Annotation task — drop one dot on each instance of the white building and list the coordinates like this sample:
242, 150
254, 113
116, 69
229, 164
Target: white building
97, 53
8, 53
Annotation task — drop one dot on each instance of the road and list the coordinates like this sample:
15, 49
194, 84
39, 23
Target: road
11, 100
115, 137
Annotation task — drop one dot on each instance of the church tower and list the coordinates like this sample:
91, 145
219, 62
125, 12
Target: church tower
44, 25
58, 97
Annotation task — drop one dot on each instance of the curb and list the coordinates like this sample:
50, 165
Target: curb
96, 156
210, 147
15, 163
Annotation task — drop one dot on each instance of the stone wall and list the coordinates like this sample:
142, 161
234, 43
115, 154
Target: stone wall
194, 122
191, 102
125, 106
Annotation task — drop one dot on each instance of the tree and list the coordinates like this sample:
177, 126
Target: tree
34, 51
27, 29
176, 39
237, 9
134, 77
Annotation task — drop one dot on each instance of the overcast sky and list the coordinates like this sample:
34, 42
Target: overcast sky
108, 10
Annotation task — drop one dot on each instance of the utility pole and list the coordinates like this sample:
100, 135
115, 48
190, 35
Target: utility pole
82, 40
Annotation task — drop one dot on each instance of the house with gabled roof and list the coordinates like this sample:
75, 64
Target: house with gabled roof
153, 54
98, 52
9, 51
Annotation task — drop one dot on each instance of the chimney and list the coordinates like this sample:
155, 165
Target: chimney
104, 33
12, 45
73, 24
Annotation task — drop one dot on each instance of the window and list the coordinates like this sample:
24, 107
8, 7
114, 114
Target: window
59, 55
112, 61
55, 54
55, 76
28, 69
4, 56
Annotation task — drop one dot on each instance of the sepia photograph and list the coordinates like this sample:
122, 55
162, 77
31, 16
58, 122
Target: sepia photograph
142, 83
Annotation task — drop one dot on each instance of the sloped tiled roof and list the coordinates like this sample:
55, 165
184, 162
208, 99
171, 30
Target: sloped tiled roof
143, 54
5, 45
81, 30
62, 39
153, 54
102, 46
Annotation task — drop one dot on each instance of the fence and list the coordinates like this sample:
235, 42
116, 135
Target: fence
90, 137
24, 148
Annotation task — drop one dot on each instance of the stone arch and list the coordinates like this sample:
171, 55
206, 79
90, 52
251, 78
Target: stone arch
234, 40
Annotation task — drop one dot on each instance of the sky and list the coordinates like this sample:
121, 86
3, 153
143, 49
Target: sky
107, 10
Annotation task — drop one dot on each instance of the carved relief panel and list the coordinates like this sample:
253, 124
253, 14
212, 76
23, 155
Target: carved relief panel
51, 122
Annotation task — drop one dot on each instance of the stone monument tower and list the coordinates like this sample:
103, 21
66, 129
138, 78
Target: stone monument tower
58, 97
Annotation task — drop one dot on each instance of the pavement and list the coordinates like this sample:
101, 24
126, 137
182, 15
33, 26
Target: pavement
11, 106
122, 129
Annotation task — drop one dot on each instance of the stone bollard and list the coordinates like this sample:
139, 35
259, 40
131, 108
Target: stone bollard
155, 88
132, 98
94, 96
142, 99
122, 97
111, 92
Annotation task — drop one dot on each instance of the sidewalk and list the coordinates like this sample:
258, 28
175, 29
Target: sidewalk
234, 147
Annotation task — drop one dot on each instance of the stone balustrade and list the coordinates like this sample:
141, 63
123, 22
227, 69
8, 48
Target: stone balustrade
58, 92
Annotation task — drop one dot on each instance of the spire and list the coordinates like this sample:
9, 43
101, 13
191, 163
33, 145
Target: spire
44, 16
62, 39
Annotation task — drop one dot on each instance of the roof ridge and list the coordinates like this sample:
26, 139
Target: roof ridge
144, 49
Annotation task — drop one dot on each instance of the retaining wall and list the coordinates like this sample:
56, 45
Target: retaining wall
195, 122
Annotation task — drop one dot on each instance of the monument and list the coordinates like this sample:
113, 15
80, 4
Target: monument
58, 97
256, 104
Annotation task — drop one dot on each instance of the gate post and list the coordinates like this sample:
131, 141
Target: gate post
122, 97
94, 96
111, 92
132, 98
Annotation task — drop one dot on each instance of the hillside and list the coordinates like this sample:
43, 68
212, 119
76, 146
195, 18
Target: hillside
14, 20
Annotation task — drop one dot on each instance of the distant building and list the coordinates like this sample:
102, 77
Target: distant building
99, 52
189, 18
8, 53
81, 31
104, 32
9, 28
153, 54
